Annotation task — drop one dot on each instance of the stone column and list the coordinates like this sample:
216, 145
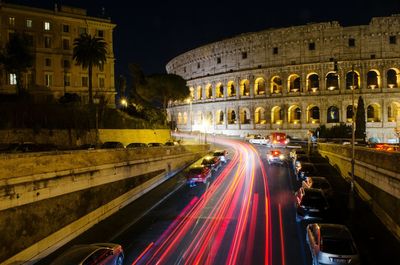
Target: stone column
237, 87
251, 86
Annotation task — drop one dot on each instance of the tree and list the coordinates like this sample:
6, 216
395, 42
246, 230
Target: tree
18, 58
360, 132
89, 52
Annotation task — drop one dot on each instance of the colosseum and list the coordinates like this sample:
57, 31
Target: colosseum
293, 79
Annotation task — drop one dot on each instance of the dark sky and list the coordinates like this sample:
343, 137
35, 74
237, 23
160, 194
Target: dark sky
150, 33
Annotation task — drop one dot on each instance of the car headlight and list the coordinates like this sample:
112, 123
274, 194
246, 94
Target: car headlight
270, 157
281, 157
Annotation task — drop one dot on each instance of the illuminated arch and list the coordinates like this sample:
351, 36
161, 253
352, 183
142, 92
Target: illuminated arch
294, 83
219, 90
393, 78
373, 79
191, 95
313, 114
245, 87
219, 117
232, 116
333, 114
231, 89
332, 81
259, 86
244, 115
259, 116
374, 112
179, 119
276, 115
199, 93
209, 93
394, 112
352, 79
276, 85
312, 82
294, 114
185, 118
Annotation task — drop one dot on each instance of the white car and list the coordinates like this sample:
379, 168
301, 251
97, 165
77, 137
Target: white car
222, 155
261, 140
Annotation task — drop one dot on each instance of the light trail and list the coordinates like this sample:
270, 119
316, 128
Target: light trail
222, 226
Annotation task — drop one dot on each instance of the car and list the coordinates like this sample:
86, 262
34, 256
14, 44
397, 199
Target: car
323, 184
260, 140
154, 144
311, 204
303, 158
331, 244
275, 156
309, 169
222, 155
112, 144
213, 162
93, 254
198, 174
136, 145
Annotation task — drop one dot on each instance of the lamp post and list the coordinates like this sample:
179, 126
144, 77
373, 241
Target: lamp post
353, 129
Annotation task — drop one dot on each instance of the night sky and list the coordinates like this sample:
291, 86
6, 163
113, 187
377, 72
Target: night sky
150, 33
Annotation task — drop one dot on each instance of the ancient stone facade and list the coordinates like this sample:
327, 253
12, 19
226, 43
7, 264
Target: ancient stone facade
293, 79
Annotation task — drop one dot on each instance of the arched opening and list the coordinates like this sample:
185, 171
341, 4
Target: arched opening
191, 96
231, 116
349, 113
208, 121
219, 91
352, 80
244, 116
394, 112
199, 118
259, 116
276, 115
245, 88
231, 89
294, 114
259, 87
332, 81
312, 114
185, 118
373, 79
199, 93
219, 117
179, 120
294, 83
392, 77
333, 114
276, 85
209, 93
312, 82
374, 113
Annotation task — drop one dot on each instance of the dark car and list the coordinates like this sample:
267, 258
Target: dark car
331, 244
222, 155
198, 174
154, 144
213, 162
323, 184
136, 145
112, 144
311, 204
309, 169
93, 254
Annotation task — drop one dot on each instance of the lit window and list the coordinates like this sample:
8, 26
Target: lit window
101, 82
84, 81
29, 23
46, 25
48, 80
11, 21
13, 79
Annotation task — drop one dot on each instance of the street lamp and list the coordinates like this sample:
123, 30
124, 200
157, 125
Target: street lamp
124, 102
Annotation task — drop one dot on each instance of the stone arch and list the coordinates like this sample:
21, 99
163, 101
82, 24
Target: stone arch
219, 90
199, 118
276, 85
294, 114
332, 115
276, 115
185, 118
244, 115
259, 86
332, 81
393, 78
209, 92
312, 82
208, 119
352, 80
259, 116
199, 93
179, 120
373, 79
313, 114
219, 117
231, 89
394, 112
294, 82
232, 119
245, 87
349, 113
191, 95
374, 112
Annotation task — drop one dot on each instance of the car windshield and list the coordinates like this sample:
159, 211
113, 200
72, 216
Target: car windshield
338, 246
313, 199
218, 153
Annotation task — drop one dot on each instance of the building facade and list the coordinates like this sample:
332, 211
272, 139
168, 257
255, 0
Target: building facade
51, 35
293, 79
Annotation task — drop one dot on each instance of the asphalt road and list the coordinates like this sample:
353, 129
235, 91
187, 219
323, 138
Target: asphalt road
245, 215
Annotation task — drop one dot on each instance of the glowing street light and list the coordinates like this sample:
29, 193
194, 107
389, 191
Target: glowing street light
124, 102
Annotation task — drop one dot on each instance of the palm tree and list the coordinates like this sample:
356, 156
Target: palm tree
90, 51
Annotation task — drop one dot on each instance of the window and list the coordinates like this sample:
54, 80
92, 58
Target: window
352, 42
84, 81
392, 39
101, 82
13, 79
66, 64
218, 59
311, 46
100, 33
46, 25
65, 28
244, 55
184, 69
48, 62
48, 80
373, 56
11, 21
65, 43
47, 42
275, 50
82, 31
29, 23
67, 80
198, 65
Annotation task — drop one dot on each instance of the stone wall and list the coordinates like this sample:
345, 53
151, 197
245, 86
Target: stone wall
47, 199
376, 179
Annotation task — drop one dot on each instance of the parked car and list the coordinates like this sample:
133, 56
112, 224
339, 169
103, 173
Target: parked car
93, 254
275, 156
222, 154
28, 147
311, 204
213, 162
198, 174
112, 144
154, 144
323, 184
171, 143
309, 169
259, 140
136, 145
331, 244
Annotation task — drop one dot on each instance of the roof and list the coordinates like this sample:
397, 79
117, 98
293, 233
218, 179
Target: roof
335, 231
75, 254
